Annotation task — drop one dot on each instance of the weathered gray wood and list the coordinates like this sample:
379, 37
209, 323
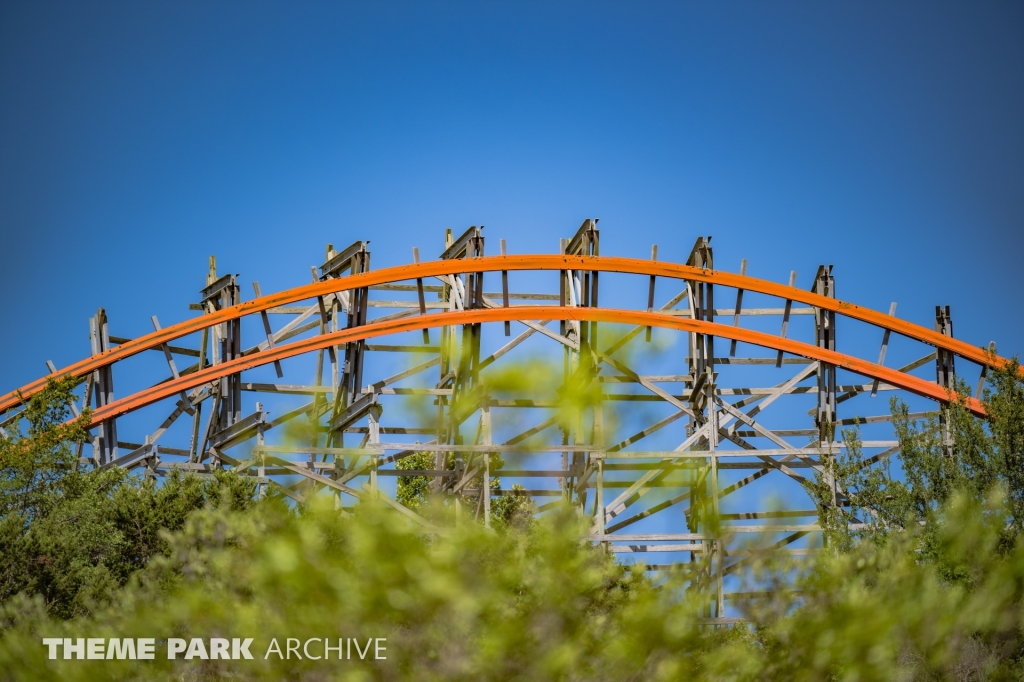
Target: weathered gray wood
401, 349
739, 306
984, 372
267, 330
632, 549
785, 317
885, 345
852, 392
177, 350
239, 431
650, 386
687, 382
298, 449
405, 375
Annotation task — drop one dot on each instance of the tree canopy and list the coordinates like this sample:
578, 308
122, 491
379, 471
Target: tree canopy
931, 588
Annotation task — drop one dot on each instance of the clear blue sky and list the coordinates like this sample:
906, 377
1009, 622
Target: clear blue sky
136, 139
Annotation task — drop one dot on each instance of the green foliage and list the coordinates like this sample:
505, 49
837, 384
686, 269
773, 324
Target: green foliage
515, 511
413, 491
879, 612
124, 557
72, 538
471, 605
508, 511
38, 456
944, 537
960, 454
538, 605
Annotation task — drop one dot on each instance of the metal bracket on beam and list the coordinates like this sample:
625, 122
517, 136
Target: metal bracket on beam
210, 292
356, 258
469, 245
134, 457
356, 411
238, 432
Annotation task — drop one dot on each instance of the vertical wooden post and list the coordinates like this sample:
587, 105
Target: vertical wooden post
419, 291
504, 290
785, 317
945, 373
650, 292
485, 424
739, 307
261, 470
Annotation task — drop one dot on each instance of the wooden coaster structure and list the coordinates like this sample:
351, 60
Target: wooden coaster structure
441, 319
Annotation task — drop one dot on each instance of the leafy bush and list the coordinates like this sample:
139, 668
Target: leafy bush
935, 593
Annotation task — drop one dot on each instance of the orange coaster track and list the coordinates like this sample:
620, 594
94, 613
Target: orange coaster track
634, 266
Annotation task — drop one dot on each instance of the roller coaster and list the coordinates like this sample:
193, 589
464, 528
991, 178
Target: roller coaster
431, 332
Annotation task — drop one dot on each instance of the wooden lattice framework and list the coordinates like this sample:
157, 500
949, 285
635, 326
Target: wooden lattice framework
449, 329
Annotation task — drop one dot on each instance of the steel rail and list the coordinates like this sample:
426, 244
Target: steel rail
512, 263
280, 352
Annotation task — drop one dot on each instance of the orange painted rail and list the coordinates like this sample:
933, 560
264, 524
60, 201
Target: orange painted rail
281, 352
512, 263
